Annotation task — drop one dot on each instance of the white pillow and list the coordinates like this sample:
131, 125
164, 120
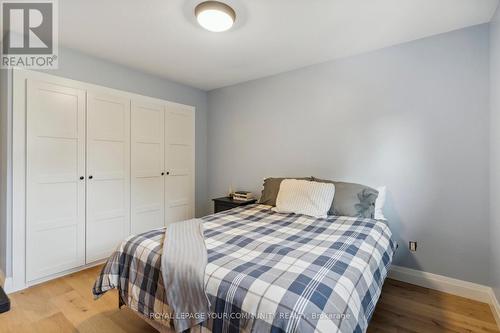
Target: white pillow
304, 197
379, 204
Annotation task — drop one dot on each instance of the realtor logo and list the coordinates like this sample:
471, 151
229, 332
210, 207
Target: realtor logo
29, 31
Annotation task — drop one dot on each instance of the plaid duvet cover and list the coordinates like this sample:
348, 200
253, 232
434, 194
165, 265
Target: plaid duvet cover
267, 272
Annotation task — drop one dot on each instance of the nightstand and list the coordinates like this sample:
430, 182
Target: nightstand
226, 203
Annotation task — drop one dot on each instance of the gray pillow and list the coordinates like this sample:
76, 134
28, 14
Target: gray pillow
271, 189
352, 199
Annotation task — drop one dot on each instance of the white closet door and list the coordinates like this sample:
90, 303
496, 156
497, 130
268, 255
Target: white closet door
108, 173
147, 192
55, 197
179, 160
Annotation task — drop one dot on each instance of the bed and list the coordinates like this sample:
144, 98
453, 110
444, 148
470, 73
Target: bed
266, 272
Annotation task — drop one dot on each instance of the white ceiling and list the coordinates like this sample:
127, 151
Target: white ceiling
270, 36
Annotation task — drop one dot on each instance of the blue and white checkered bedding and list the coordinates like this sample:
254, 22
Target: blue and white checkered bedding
267, 272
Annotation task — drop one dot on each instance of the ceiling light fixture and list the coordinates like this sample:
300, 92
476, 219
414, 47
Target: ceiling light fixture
215, 16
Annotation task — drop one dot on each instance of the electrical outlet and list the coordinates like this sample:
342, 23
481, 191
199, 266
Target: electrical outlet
413, 246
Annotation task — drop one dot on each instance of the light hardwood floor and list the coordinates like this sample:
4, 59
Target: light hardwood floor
67, 305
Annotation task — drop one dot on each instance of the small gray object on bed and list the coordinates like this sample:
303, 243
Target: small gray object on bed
183, 264
352, 199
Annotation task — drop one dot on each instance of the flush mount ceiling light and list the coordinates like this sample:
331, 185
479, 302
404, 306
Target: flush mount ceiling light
215, 16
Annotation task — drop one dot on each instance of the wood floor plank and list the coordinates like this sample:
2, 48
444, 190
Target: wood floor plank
67, 305
438, 315
437, 299
55, 323
34, 304
16, 315
127, 320
405, 320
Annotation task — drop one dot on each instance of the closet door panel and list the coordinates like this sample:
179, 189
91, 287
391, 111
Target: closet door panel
108, 173
147, 166
55, 195
179, 159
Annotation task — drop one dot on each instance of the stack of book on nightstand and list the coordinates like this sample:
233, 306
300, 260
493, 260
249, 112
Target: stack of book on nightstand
242, 196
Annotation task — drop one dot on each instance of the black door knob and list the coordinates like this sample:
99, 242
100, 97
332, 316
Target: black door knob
162, 173
90, 177
81, 177
168, 172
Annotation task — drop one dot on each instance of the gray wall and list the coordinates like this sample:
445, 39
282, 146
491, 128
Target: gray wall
78, 66
414, 117
495, 152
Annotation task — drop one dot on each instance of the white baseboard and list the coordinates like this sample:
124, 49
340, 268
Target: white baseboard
5, 282
442, 283
474, 291
495, 307
7, 287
